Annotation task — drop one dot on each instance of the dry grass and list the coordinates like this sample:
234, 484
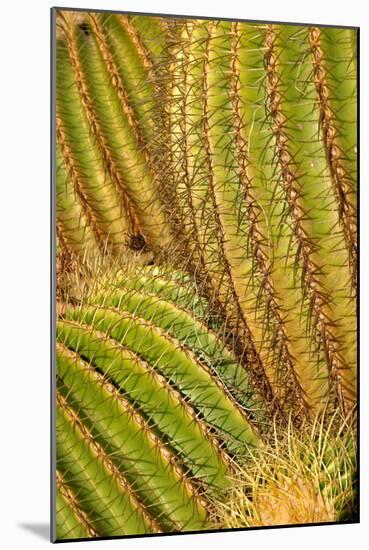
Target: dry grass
303, 476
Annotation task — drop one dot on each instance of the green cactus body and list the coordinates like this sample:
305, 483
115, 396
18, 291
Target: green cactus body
72, 520
179, 291
191, 331
228, 151
135, 67
126, 433
272, 239
143, 394
104, 133
278, 246
150, 391
73, 224
94, 477
314, 211
93, 188
334, 60
176, 362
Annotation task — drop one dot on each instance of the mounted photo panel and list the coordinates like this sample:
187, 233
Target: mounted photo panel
204, 319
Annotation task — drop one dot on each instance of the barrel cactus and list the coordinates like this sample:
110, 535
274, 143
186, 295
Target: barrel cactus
107, 97
266, 195
223, 154
147, 420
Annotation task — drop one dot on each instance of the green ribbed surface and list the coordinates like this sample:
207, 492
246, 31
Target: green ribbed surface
254, 153
147, 414
228, 151
108, 114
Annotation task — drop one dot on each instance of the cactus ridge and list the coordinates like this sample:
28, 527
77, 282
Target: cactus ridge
151, 465
174, 291
93, 121
98, 475
341, 177
120, 89
72, 519
150, 391
228, 269
74, 230
257, 238
185, 326
299, 347
99, 234
217, 186
182, 367
207, 346
90, 59
93, 188
308, 250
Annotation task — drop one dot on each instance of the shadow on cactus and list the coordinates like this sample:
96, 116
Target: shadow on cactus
206, 274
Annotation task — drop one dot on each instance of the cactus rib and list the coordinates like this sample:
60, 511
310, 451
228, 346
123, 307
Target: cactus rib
258, 240
73, 227
73, 522
158, 400
95, 472
308, 251
179, 364
94, 123
140, 451
344, 191
77, 187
